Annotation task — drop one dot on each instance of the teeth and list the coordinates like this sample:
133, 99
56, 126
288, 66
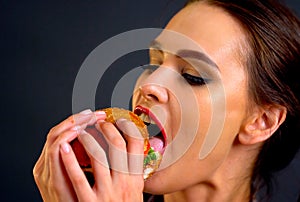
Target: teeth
146, 118
152, 128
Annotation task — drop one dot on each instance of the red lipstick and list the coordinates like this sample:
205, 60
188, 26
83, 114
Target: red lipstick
143, 110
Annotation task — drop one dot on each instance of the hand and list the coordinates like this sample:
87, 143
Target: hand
49, 172
60, 178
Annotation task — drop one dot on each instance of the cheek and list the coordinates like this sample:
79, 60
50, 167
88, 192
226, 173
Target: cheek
214, 137
203, 155
222, 109
212, 110
236, 100
235, 106
205, 113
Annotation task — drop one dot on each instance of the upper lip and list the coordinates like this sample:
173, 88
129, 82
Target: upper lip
143, 110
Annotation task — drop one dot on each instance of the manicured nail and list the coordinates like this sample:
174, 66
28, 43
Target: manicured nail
87, 111
100, 114
81, 118
78, 129
65, 147
121, 120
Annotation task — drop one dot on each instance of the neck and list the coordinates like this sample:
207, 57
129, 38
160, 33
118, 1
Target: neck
231, 182
211, 193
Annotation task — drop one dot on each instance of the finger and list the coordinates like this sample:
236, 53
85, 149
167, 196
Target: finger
99, 161
73, 122
54, 140
83, 119
57, 177
52, 156
135, 145
98, 136
131, 181
52, 182
117, 148
80, 184
49, 171
96, 116
100, 115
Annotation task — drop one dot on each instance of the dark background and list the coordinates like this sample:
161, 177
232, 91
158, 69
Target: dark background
43, 44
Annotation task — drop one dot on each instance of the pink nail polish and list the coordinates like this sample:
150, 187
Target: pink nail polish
82, 118
77, 128
87, 111
65, 148
100, 113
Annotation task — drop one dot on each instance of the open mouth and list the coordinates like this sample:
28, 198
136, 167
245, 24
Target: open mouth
157, 134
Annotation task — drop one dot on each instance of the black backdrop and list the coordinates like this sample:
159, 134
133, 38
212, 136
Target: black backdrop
43, 45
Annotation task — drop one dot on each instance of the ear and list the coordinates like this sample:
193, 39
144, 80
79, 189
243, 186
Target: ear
261, 124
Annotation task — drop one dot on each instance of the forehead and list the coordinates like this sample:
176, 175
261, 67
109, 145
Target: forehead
216, 32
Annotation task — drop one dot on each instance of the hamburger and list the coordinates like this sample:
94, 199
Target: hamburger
152, 158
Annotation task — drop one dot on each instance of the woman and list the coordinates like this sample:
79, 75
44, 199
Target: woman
249, 54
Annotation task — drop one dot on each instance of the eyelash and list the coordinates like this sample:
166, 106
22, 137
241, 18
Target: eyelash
191, 79
194, 80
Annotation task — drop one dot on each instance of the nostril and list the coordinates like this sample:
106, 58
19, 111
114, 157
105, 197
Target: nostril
154, 92
152, 97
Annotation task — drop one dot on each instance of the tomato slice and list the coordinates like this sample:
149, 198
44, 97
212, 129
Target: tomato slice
146, 147
80, 153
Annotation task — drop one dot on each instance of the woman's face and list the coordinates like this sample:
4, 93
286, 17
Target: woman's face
198, 93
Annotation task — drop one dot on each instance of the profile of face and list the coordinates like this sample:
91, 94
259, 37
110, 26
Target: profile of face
198, 92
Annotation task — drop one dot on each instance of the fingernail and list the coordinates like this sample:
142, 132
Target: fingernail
77, 128
121, 123
121, 120
87, 111
100, 114
80, 118
65, 147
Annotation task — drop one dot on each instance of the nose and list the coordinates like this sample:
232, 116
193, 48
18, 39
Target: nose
154, 92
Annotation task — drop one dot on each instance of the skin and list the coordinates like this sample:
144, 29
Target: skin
219, 41
222, 175
59, 176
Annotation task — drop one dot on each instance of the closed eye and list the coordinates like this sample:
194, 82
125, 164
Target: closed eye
194, 80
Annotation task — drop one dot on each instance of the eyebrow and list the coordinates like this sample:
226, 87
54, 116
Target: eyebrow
196, 55
185, 53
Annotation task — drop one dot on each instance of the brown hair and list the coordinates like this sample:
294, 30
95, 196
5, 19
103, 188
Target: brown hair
272, 64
